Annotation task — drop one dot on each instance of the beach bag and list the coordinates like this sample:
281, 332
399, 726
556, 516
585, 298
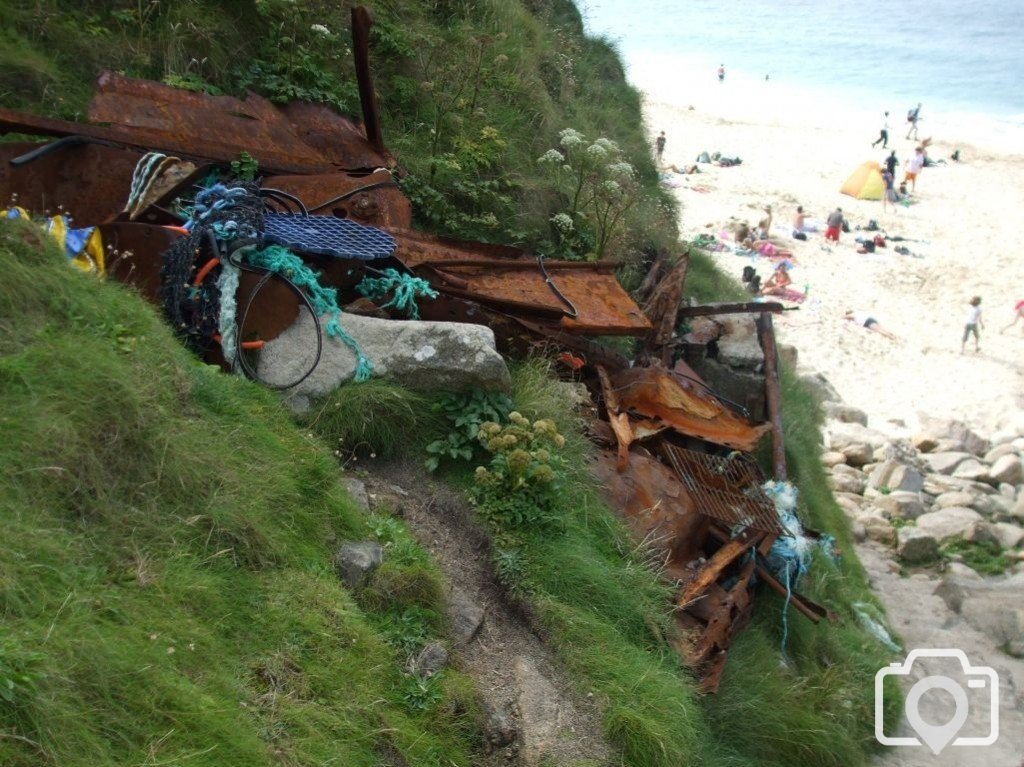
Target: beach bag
910, 116
846, 226
879, 241
799, 236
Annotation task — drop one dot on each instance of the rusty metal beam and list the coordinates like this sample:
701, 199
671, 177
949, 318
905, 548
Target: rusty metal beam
361, 23
773, 394
726, 555
748, 307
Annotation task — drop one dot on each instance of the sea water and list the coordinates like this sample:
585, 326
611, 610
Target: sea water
964, 61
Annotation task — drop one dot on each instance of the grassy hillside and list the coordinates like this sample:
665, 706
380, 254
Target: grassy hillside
166, 589
167, 595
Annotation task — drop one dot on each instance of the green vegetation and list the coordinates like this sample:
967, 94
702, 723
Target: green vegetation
472, 94
166, 593
985, 557
165, 590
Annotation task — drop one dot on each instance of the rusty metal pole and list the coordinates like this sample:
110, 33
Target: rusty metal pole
773, 394
361, 23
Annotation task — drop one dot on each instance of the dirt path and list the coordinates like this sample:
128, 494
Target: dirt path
516, 674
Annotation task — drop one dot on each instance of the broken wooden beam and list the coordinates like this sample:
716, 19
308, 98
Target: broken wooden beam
748, 307
773, 394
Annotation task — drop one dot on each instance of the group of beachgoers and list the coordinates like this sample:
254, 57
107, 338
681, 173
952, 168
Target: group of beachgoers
779, 285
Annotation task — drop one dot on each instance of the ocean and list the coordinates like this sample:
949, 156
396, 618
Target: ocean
962, 60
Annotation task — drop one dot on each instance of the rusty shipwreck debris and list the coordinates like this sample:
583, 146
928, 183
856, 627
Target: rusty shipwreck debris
675, 457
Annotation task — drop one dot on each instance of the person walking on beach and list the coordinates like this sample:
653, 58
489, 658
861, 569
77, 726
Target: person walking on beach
721, 72
835, 224
883, 136
914, 166
913, 116
972, 324
1018, 314
659, 146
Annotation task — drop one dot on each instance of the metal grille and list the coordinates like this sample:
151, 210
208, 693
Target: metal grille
328, 236
725, 488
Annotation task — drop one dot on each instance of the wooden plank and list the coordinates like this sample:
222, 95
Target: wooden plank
728, 553
773, 394
749, 307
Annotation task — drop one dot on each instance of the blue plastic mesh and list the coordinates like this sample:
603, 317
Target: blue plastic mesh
327, 236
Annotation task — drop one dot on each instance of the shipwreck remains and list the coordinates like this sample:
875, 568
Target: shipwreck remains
142, 176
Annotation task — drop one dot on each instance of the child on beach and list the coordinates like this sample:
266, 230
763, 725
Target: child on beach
659, 146
1018, 314
973, 323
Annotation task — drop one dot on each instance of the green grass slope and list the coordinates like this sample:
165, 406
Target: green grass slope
166, 592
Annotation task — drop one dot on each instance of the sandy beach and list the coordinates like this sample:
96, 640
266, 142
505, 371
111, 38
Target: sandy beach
961, 230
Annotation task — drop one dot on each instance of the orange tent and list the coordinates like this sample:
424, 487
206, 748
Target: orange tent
865, 183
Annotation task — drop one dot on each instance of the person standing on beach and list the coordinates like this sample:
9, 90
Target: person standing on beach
721, 72
659, 146
884, 133
891, 162
914, 166
835, 224
889, 195
972, 324
913, 116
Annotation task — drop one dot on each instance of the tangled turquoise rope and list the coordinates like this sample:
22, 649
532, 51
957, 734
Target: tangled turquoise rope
282, 261
405, 287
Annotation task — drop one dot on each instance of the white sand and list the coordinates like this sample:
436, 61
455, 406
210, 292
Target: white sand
966, 214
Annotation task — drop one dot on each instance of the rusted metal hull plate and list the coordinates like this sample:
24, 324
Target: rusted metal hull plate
685, 406
508, 278
372, 199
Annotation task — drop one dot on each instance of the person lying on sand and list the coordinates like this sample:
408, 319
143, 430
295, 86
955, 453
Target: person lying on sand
864, 320
686, 170
767, 248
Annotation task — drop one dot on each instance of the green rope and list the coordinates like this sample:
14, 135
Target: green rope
406, 289
282, 261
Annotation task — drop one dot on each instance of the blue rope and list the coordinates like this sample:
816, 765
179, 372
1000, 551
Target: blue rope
406, 288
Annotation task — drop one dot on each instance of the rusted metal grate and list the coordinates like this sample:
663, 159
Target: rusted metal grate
726, 488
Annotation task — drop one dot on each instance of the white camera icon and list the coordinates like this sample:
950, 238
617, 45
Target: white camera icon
937, 737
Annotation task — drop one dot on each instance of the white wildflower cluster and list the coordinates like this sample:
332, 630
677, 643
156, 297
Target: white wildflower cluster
608, 145
562, 222
620, 170
552, 156
320, 29
597, 151
611, 187
570, 138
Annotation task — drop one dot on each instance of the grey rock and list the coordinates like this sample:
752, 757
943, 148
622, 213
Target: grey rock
895, 476
960, 570
1017, 512
1007, 469
1003, 437
574, 394
500, 726
945, 463
998, 452
355, 561
1007, 490
465, 616
972, 469
954, 498
991, 606
850, 508
925, 443
878, 528
831, 459
915, 546
955, 432
845, 483
842, 434
857, 453
992, 505
845, 413
1008, 535
737, 344
901, 505
421, 355
858, 531
950, 523
789, 355
431, 659
356, 490
820, 388
539, 713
